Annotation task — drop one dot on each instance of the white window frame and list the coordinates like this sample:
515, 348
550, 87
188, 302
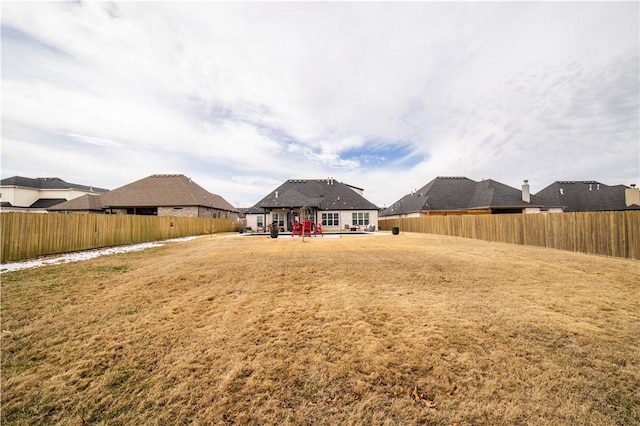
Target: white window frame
360, 219
331, 219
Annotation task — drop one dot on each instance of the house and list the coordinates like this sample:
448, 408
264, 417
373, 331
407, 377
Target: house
88, 203
461, 195
336, 205
156, 195
591, 196
20, 193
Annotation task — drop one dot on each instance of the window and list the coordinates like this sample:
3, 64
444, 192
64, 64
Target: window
279, 219
360, 219
330, 219
260, 221
144, 211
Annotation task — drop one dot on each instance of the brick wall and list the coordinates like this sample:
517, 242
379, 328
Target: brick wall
190, 211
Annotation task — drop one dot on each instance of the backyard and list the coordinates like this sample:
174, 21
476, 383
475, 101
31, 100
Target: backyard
375, 329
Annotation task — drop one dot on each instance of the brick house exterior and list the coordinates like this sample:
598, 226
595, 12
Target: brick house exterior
159, 195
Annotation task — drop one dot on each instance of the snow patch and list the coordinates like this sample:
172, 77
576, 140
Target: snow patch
84, 255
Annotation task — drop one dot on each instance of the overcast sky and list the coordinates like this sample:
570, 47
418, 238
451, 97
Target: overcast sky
384, 96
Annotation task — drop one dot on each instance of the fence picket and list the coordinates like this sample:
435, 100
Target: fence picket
29, 235
614, 234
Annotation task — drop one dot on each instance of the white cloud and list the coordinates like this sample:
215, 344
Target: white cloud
227, 92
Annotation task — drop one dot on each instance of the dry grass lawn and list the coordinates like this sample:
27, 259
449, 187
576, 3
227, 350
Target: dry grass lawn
384, 330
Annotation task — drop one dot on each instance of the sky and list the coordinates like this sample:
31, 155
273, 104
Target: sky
385, 96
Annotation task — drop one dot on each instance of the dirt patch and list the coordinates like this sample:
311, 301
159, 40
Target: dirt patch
408, 329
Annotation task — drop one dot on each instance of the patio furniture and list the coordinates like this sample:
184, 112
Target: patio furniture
296, 228
306, 227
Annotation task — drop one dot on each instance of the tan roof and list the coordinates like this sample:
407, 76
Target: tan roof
82, 203
162, 191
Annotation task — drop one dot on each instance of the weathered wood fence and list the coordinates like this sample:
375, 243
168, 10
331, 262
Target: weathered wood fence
614, 234
29, 235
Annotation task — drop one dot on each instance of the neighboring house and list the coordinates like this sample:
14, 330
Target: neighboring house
461, 195
591, 196
39, 194
242, 217
156, 195
88, 203
336, 205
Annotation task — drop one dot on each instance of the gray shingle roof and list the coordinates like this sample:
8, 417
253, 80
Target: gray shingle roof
442, 193
461, 193
585, 196
322, 194
47, 183
492, 194
45, 203
162, 191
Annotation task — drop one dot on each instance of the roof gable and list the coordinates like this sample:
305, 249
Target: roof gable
460, 193
323, 194
87, 202
45, 203
51, 183
584, 196
164, 190
492, 194
442, 193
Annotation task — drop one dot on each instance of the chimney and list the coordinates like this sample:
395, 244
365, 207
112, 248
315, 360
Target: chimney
632, 195
526, 196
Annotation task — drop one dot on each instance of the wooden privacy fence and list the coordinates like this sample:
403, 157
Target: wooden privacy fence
29, 235
614, 234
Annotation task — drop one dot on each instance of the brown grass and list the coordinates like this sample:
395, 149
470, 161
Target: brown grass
408, 329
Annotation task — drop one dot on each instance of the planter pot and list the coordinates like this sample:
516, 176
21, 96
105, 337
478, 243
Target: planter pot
274, 232
395, 230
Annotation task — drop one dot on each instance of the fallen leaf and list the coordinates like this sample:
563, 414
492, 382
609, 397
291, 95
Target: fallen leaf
333, 400
419, 397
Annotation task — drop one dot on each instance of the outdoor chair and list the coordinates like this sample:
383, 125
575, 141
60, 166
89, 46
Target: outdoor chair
306, 227
296, 228
317, 229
